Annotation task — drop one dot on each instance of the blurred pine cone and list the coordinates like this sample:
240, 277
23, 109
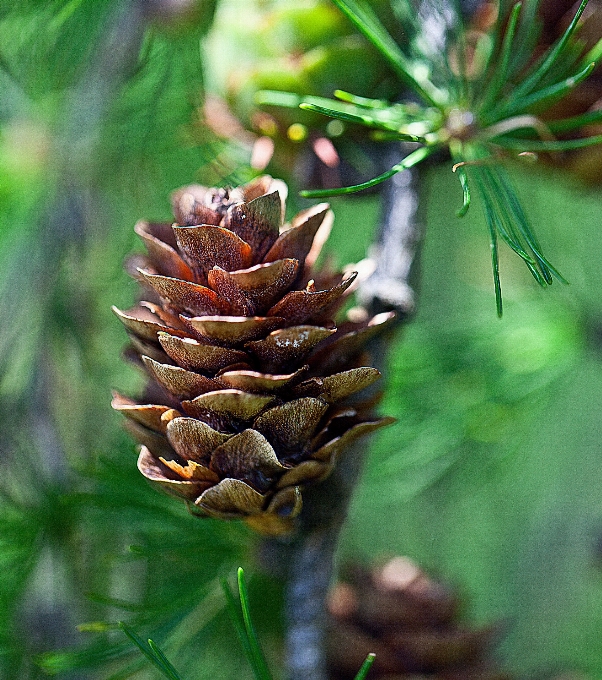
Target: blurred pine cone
247, 369
410, 622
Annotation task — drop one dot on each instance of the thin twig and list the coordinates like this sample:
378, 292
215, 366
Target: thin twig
391, 287
312, 553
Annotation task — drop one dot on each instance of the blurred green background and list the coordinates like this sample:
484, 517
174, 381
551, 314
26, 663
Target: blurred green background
491, 477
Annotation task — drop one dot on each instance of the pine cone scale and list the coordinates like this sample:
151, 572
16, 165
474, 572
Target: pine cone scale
160, 251
252, 291
229, 404
192, 439
289, 345
192, 471
257, 222
194, 355
157, 472
186, 296
178, 381
252, 381
230, 498
297, 241
148, 415
300, 305
232, 331
289, 427
142, 324
248, 456
207, 246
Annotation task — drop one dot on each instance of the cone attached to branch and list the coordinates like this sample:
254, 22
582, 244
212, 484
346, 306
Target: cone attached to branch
410, 622
250, 380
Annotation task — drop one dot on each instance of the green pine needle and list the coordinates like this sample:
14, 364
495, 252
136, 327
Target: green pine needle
365, 667
463, 177
168, 670
595, 54
409, 161
500, 73
152, 653
550, 58
541, 146
511, 199
361, 14
506, 224
576, 122
238, 623
546, 95
390, 136
288, 100
258, 656
241, 618
495, 258
361, 101
355, 117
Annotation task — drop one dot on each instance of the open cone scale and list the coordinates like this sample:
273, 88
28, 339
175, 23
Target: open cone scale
249, 377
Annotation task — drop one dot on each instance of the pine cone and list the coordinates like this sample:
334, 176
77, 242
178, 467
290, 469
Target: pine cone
248, 373
410, 622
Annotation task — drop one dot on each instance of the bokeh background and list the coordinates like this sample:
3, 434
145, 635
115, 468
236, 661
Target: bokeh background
491, 479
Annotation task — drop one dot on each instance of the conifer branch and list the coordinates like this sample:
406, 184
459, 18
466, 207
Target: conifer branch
311, 555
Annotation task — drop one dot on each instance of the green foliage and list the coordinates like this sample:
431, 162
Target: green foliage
241, 618
477, 112
94, 104
490, 477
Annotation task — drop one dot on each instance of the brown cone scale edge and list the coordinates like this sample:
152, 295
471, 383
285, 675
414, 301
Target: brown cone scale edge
249, 377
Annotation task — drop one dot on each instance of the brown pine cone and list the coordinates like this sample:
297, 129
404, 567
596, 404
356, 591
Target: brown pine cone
247, 371
410, 622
